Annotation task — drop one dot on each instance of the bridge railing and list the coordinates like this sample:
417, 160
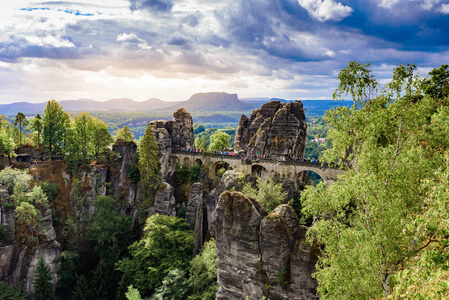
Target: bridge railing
250, 160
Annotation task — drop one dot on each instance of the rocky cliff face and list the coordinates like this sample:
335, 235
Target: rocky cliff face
259, 254
18, 261
275, 129
169, 134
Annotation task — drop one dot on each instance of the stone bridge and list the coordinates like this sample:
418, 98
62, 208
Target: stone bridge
265, 168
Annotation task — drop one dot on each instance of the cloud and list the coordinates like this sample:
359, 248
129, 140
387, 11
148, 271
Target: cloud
151, 5
129, 38
325, 10
444, 9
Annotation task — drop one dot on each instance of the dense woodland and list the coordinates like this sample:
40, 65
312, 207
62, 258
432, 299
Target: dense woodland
382, 227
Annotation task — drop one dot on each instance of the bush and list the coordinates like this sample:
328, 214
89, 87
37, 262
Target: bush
10, 177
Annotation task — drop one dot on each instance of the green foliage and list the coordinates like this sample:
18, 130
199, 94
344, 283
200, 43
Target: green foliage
132, 293
194, 173
37, 197
55, 125
174, 286
124, 134
36, 125
50, 189
29, 217
6, 144
82, 290
269, 194
149, 164
203, 273
282, 277
7, 292
43, 288
198, 128
22, 121
382, 215
10, 177
220, 140
201, 142
167, 244
437, 84
3, 231
134, 172
110, 235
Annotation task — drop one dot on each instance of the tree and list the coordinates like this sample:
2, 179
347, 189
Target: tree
21, 120
269, 194
101, 138
83, 133
149, 164
124, 134
174, 286
4, 123
371, 219
10, 177
6, 144
167, 244
219, 141
55, 125
29, 217
203, 273
110, 234
7, 292
201, 142
43, 288
132, 294
36, 124
437, 84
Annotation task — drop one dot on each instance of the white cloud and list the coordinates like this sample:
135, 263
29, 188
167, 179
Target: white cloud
444, 9
388, 4
324, 10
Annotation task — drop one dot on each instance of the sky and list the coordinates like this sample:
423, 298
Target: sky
172, 49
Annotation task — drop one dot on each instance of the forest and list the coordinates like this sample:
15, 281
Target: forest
382, 229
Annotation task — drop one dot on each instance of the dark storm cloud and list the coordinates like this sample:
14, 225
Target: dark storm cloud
151, 5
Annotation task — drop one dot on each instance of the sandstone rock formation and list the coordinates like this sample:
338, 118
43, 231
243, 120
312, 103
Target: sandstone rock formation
259, 254
275, 129
175, 133
228, 181
18, 262
164, 202
194, 214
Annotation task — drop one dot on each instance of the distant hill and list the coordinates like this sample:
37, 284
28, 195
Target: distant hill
113, 105
212, 102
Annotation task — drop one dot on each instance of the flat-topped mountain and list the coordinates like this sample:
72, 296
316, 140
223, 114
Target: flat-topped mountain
213, 102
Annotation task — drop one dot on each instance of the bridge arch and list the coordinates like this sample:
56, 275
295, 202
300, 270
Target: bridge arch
218, 165
198, 162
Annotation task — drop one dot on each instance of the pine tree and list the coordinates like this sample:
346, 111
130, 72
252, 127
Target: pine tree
149, 164
43, 288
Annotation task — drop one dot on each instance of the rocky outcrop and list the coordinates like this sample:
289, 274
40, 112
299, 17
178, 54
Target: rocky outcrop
259, 254
177, 133
229, 181
164, 202
275, 129
126, 150
194, 214
18, 261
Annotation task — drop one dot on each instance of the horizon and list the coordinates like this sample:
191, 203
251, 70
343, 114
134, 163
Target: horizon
290, 49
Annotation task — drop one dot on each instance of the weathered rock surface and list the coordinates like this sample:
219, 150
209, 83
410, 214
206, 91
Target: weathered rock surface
259, 254
18, 262
194, 214
228, 181
175, 133
275, 129
164, 202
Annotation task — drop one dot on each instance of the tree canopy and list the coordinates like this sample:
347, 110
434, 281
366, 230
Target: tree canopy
375, 220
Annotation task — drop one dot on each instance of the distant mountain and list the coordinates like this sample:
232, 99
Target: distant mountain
212, 102
113, 105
